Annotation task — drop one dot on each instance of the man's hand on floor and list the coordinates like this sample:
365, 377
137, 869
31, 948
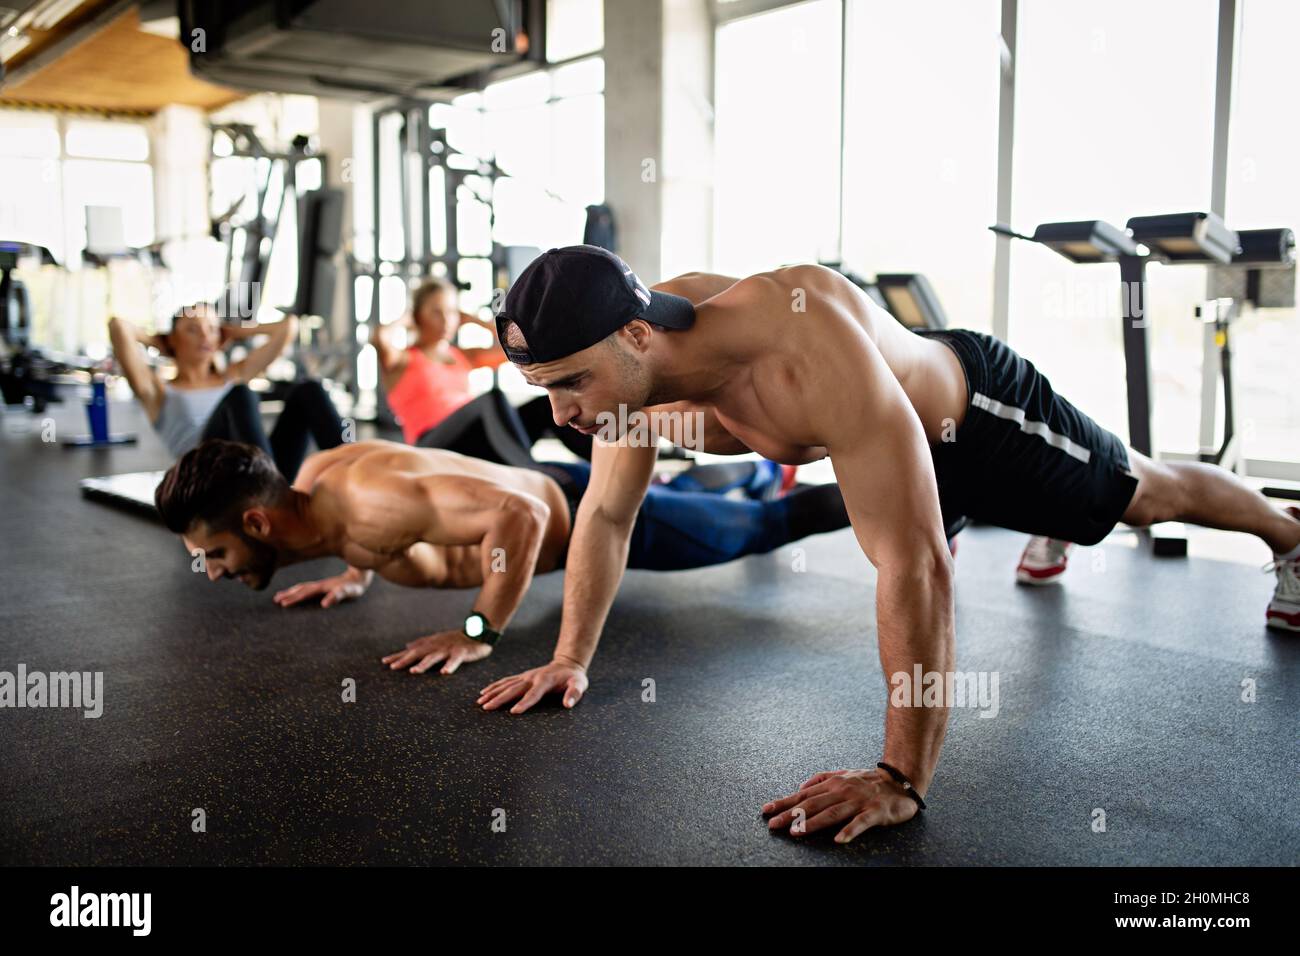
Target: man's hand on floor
453, 647
331, 591
532, 685
854, 800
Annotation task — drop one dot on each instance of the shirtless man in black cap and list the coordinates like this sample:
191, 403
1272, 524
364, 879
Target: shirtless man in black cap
922, 429
425, 517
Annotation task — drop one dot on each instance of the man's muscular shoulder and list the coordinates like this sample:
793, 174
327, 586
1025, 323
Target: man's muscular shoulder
800, 303
805, 277
810, 345
370, 472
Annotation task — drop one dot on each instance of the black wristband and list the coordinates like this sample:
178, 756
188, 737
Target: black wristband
484, 633
903, 782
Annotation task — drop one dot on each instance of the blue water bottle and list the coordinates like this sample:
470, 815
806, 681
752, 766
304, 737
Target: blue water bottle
97, 410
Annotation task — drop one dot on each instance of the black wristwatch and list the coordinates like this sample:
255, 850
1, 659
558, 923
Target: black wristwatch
477, 628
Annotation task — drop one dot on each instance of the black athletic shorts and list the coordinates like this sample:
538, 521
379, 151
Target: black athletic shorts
1024, 458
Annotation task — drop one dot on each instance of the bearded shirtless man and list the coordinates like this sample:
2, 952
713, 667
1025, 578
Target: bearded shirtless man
424, 517
922, 429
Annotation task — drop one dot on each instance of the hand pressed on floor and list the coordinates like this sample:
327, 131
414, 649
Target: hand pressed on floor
532, 685
857, 799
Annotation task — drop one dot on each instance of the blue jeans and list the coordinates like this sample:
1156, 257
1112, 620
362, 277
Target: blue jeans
676, 530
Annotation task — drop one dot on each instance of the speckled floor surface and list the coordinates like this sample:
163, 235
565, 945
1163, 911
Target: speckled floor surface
1120, 691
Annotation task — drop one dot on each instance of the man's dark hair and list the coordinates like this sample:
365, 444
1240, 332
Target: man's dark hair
215, 483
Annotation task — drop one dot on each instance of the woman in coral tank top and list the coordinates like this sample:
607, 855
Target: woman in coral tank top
428, 390
427, 386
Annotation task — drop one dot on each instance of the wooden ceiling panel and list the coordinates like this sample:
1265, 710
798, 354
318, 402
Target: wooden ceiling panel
120, 68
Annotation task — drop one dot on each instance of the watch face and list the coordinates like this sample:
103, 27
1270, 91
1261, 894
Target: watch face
474, 625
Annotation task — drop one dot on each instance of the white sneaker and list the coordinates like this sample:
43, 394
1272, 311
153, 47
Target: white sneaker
1284, 610
1043, 561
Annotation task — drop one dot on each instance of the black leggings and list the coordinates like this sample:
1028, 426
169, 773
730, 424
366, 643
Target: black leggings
489, 427
308, 413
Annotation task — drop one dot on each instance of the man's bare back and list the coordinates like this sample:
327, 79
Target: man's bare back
356, 489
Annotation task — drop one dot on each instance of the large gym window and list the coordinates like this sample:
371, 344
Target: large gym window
574, 28
920, 147
29, 154
103, 140
100, 183
546, 132
1263, 193
1114, 119
777, 136
66, 165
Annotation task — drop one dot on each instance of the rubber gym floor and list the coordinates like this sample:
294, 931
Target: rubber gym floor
1121, 691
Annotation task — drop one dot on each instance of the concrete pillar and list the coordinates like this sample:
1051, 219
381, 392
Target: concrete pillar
659, 133
634, 129
686, 175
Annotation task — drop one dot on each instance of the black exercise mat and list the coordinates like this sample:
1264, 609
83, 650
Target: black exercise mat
1121, 690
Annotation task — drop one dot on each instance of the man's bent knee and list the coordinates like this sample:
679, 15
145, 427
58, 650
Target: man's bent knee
1158, 496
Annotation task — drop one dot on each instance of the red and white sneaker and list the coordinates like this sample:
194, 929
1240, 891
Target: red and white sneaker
1043, 561
1284, 610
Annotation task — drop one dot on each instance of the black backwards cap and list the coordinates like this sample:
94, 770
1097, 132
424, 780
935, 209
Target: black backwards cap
571, 298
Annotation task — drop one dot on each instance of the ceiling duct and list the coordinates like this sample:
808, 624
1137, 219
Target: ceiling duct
347, 48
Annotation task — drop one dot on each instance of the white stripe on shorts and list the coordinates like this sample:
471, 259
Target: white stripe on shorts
1030, 427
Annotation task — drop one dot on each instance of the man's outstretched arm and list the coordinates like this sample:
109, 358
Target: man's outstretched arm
598, 547
886, 475
508, 528
593, 571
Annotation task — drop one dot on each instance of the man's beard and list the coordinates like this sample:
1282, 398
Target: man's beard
263, 559
635, 385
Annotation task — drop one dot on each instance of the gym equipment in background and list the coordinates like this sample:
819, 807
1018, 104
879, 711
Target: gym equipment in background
318, 353
249, 241
27, 375
250, 231
907, 296
1261, 276
1173, 239
1093, 241
105, 233
423, 160
600, 229
911, 299
1216, 316
15, 301
28, 378
320, 234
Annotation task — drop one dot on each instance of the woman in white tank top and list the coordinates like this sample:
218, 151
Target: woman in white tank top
204, 400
